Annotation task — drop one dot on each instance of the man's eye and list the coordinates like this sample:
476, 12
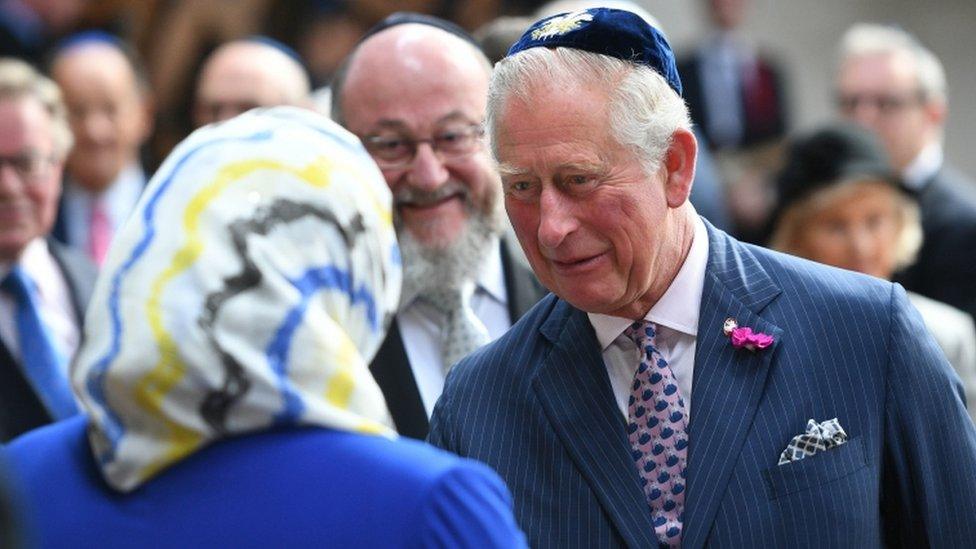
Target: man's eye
520, 186
389, 144
389, 147
448, 138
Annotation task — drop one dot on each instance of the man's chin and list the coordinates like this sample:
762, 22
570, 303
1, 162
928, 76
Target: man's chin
433, 241
436, 242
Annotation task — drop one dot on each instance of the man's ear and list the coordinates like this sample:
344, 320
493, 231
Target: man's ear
679, 166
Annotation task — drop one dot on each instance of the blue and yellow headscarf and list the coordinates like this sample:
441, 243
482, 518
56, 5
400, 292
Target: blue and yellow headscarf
250, 289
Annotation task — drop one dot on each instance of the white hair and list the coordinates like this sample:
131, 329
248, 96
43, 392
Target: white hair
644, 111
874, 39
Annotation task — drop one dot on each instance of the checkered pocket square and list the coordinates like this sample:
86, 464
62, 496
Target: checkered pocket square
818, 438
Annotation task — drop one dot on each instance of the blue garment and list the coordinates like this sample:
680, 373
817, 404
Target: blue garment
42, 365
300, 487
537, 406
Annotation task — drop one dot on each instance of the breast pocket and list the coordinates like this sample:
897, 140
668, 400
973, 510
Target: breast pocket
815, 470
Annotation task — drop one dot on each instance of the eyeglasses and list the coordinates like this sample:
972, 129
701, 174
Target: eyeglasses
883, 103
29, 166
399, 151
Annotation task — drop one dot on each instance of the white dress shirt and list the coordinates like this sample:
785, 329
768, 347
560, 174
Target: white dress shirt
57, 311
676, 315
119, 198
917, 174
420, 326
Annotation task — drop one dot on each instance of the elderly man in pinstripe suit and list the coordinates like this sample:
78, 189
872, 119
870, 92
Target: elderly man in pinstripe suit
682, 388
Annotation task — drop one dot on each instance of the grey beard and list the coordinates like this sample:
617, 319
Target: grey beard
462, 261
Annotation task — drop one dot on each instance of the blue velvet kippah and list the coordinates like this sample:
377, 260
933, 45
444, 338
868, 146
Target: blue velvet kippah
616, 33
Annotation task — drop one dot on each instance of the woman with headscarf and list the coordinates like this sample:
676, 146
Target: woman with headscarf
841, 204
224, 366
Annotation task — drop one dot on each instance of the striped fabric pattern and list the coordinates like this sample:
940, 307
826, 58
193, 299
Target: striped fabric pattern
536, 405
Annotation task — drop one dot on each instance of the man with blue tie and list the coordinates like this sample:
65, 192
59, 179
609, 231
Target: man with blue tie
44, 286
681, 388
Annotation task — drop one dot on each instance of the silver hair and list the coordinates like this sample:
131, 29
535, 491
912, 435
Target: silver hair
19, 80
872, 39
644, 112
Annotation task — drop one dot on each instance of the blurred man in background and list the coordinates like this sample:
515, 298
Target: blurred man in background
893, 85
45, 285
110, 112
244, 74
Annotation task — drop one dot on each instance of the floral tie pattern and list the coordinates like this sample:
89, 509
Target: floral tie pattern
463, 332
657, 426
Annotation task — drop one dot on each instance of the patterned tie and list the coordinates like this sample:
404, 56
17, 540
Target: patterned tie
658, 433
40, 361
99, 232
463, 332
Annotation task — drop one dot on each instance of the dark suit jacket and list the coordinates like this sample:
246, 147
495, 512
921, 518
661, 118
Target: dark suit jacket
537, 406
20, 409
764, 109
392, 370
946, 266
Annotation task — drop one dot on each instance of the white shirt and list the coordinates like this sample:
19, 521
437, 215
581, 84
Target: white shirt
917, 174
57, 311
420, 325
676, 315
119, 198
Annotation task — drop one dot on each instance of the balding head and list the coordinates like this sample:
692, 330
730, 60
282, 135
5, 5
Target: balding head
108, 109
409, 52
244, 74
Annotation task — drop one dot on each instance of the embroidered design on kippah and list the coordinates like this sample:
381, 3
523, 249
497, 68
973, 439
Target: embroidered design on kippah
561, 25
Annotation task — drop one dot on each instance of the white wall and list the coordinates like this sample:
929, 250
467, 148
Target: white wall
803, 36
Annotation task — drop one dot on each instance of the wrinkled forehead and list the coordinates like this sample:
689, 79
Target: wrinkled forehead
892, 71
25, 125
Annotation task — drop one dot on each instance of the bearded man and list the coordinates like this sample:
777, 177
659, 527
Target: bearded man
415, 90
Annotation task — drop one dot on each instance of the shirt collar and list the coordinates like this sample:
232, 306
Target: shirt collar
925, 165
32, 260
678, 308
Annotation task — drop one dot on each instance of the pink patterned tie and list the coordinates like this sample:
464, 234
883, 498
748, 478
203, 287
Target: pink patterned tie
658, 433
99, 232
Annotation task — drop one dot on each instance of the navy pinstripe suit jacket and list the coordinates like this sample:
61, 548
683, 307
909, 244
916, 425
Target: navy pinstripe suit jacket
536, 405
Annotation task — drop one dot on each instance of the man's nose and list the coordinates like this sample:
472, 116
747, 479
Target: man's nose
556, 218
10, 180
97, 127
428, 171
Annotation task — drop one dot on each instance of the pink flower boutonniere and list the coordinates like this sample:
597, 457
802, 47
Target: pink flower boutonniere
744, 338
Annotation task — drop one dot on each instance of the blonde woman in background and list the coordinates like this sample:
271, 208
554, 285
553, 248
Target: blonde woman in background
840, 204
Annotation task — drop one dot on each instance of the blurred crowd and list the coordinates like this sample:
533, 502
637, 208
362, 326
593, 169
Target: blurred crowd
119, 84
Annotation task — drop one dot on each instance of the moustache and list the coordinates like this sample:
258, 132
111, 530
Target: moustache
411, 196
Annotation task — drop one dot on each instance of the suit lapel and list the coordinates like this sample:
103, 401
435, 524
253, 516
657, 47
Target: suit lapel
728, 382
391, 369
574, 390
79, 273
